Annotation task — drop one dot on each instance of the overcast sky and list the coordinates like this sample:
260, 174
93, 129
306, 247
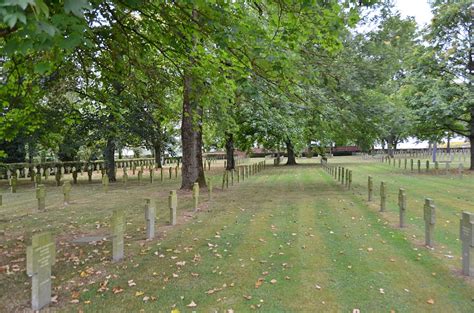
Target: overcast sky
420, 9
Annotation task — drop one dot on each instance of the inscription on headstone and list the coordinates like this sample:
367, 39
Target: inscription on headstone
40, 256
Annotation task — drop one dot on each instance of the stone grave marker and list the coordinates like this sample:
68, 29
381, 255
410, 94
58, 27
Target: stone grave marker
152, 175
67, 191
195, 196
105, 183
209, 189
170, 170
150, 216
57, 176
430, 218
411, 165
125, 177
232, 177
13, 184
448, 166
173, 203
402, 205
41, 196
418, 164
89, 174
350, 180
427, 166
176, 172
140, 175
46, 173
118, 230
467, 240
383, 196
74, 175
460, 170
40, 257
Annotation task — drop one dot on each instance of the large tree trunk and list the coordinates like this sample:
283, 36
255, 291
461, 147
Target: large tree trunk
191, 137
291, 153
109, 159
157, 150
229, 149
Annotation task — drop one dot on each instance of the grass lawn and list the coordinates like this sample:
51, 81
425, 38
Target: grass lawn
289, 239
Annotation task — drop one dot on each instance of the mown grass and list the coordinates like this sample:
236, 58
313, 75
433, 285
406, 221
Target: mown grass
325, 248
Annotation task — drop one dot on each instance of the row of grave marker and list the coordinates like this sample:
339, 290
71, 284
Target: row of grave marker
427, 164
429, 216
343, 175
466, 223
41, 253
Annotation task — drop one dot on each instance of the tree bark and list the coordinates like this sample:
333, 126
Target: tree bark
109, 159
291, 153
157, 149
229, 148
191, 137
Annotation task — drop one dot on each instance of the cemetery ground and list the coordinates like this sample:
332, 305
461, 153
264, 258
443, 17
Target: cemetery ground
288, 239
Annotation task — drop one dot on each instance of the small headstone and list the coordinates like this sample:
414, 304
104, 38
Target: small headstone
429, 217
105, 183
41, 196
176, 172
152, 175
173, 203
402, 204
40, 256
89, 174
195, 196
57, 176
118, 230
170, 169
74, 175
467, 240
140, 175
209, 189
150, 215
419, 166
13, 184
67, 191
460, 170
125, 178
46, 173
383, 197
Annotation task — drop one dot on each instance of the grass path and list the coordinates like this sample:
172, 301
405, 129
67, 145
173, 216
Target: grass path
293, 232
323, 247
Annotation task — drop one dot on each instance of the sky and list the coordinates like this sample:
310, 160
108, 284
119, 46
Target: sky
420, 9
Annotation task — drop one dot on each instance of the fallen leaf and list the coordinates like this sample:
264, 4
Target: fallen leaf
192, 305
117, 289
430, 301
259, 282
139, 293
273, 281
